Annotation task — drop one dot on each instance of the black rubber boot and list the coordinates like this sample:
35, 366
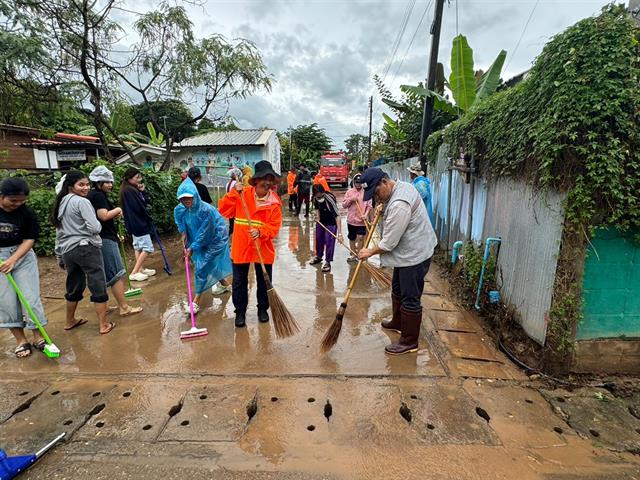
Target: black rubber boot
263, 316
241, 318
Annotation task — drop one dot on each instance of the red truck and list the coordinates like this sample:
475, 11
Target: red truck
334, 167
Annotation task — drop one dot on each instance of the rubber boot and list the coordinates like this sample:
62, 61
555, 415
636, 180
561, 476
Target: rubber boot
408, 342
394, 324
263, 316
241, 319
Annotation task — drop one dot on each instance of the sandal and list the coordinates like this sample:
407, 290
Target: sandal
315, 261
131, 311
326, 267
40, 344
25, 347
110, 326
78, 323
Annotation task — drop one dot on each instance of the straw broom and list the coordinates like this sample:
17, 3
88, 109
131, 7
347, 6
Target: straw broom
381, 278
283, 322
331, 337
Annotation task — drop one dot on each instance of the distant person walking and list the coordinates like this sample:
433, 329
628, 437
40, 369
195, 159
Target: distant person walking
292, 190
78, 249
303, 182
357, 211
135, 207
327, 213
102, 179
19, 230
423, 185
407, 244
318, 179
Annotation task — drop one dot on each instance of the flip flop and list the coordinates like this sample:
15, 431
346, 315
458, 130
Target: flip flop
79, 323
131, 311
111, 327
25, 347
40, 344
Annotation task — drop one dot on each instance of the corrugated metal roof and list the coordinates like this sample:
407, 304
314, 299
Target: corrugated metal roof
229, 138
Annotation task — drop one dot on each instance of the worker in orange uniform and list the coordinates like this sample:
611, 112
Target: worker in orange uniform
320, 180
292, 190
265, 218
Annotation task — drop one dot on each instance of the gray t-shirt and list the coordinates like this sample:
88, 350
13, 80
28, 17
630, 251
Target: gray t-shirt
79, 224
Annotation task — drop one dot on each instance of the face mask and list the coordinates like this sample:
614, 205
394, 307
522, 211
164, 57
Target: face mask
320, 200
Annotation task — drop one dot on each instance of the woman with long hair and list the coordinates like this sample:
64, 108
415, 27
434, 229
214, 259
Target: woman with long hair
78, 249
19, 231
137, 219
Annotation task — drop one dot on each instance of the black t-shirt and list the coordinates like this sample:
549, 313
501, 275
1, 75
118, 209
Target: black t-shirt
16, 226
328, 209
204, 193
99, 201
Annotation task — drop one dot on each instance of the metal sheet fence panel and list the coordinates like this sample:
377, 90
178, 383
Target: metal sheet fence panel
529, 223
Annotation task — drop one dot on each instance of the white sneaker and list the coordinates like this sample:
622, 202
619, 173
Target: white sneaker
149, 272
196, 308
219, 289
138, 277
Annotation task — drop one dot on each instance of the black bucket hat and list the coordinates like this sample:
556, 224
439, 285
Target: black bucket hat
262, 169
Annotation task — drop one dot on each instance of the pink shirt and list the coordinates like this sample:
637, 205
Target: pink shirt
352, 199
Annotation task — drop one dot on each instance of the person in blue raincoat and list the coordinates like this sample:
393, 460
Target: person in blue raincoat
423, 185
206, 239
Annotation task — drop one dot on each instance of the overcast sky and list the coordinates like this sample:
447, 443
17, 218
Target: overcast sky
323, 54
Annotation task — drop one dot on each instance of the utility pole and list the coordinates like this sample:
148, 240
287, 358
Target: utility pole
427, 114
370, 120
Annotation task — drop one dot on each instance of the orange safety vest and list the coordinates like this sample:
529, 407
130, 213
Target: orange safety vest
266, 218
291, 177
320, 180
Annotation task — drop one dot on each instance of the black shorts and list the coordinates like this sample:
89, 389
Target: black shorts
355, 230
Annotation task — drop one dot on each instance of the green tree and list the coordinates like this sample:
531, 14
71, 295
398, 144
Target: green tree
308, 143
356, 146
172, 113
207, 125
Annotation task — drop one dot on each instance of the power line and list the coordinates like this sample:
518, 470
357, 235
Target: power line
403, 27
521, 35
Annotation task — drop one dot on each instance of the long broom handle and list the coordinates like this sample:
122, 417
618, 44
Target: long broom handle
360, 262
28, 307
255, 240
364, 219
188, 270
336, 237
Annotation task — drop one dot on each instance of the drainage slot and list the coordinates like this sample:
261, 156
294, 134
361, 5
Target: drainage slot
147, 427
184, 423
68, 422
96, 394
328, 410
173, 411
311, 399
558, 430
483, 413
22, 394
311, 428
55, 392
100, 424
414, 397
528, 401
126, 394
593, 432
405, 412
430, 426
274, 399
97, 409
23, 407
203, 397
252, 408
560, 399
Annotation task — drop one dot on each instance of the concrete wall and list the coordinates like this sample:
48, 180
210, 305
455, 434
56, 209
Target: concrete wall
529, 223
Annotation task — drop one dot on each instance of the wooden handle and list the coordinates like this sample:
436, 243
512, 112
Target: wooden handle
255, 240
364, 219
366, 244
336, 237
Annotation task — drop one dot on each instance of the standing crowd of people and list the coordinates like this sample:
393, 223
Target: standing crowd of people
89, 231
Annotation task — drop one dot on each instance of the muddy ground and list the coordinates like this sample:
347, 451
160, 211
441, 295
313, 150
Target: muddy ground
242, 404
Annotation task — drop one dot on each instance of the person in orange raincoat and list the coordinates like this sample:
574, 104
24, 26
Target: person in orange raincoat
291, 190
319, 179
265, 214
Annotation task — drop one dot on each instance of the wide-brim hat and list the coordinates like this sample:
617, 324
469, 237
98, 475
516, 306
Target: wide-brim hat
416, 169
262, 169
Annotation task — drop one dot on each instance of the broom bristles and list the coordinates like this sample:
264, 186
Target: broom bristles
331, 336
283, 322
381, 278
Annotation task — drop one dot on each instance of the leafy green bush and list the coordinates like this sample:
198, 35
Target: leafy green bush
41, 202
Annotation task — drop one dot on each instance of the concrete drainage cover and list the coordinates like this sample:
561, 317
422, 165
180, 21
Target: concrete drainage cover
469, 346
451, 321
221, 415
136, 412
63, 407
599, 416
15, 396
438, 303
446, 414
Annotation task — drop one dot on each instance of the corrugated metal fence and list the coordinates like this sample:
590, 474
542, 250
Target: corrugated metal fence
528, 222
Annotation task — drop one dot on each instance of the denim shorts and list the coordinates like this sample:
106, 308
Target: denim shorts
113, 267
143, 243
25, 274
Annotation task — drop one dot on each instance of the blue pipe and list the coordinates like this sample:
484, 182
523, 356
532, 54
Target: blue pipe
485, 259
454, 253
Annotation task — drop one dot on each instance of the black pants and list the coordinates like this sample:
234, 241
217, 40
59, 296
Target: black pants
231, 225
293, 202
240, 289
303, 197
408, 284
85, 267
